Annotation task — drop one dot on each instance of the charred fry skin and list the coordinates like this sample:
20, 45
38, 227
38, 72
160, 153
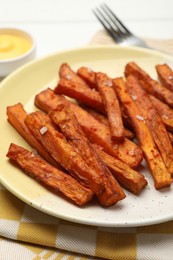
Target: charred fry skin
112, 107
81, 93
162, 177
74, 134
170, 137
48, 175
153, 120
165, 74
16, 116
150, 85
127, 177
165, 112
96, 132
56, 144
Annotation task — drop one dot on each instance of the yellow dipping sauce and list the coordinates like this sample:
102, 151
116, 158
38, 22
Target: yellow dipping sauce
12, 46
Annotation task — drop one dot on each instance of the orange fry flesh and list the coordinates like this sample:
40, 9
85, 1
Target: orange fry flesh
161, 176
112, 107
56, 144
165, 74
50, 176
150, 85
153, 121
16, 116
96, 132
71, 129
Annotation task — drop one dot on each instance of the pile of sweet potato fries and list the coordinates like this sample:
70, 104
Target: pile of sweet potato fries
84, 129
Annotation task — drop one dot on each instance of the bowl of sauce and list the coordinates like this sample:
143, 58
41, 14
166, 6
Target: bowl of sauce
17, 47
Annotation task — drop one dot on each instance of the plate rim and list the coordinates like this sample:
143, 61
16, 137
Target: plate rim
45, 209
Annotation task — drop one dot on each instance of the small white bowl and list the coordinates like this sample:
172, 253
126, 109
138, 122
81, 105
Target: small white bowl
9, 65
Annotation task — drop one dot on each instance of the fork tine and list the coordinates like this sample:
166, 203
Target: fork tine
118, 31
106, 24
116, 20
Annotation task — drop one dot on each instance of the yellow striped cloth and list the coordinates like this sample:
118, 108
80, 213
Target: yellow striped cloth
33, 234
26, 233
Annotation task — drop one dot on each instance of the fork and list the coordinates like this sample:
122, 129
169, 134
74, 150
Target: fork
117, 30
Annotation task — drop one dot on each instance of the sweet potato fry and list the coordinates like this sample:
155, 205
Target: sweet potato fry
170, 137
127, 177
150, 85
47, 99
66, 72
112, 193
48, 175
165, 112
96, 132
112, 107
72, 85
56, 144
103, 119
98, 116
165, 74
74, 134
85, 94
88, 75
162, 177
81, 93
66, 121
16, 116
153, 120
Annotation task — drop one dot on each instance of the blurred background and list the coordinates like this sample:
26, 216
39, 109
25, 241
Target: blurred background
64, 24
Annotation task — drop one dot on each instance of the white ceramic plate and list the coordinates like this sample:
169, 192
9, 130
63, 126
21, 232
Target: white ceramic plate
149, 207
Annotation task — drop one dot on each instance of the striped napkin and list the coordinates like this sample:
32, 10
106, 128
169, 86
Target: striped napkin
27, 233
